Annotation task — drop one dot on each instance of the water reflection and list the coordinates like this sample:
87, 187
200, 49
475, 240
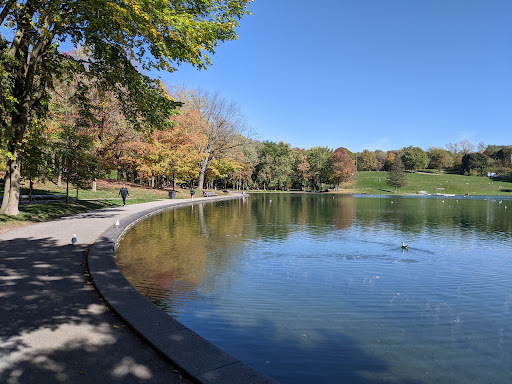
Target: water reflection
315, 288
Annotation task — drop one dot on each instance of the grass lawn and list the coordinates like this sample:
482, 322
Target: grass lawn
457, 184
105, 196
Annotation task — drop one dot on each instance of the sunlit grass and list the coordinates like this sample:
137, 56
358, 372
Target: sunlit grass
107, 195
452, 183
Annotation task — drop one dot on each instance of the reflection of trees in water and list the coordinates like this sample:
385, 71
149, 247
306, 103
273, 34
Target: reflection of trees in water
171, 253
174, 252
413, 215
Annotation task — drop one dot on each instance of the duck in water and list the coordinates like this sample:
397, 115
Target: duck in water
404, 246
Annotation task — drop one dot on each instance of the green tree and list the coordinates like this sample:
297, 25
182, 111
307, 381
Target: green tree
475, 163
439, 159
414, 158
119, 38
396, 177
78, 163
319, 159
275, 167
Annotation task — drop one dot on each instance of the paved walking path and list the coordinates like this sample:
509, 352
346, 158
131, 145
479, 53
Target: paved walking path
54, 328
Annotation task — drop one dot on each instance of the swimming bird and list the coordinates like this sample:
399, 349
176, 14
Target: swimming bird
405, 246
73, 239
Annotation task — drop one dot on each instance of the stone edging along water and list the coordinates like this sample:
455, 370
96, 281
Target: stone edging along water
198, 358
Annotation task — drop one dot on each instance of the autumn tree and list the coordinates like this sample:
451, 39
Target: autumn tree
221, 124
396, 176
367, 160
302, 167
343, 167
120, 38
391, 156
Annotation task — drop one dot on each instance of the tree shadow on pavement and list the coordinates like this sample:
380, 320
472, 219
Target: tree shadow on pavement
54, 328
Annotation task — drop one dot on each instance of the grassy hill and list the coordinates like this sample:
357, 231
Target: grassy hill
458, 184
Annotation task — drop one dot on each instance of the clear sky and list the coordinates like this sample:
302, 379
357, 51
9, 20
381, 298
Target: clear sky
374, 74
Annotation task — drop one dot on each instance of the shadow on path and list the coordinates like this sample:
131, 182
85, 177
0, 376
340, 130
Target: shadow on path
54, 328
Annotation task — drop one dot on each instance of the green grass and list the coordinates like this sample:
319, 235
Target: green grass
457, 184
105, 196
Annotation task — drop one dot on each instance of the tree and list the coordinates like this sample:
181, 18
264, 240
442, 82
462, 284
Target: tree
414, 158
439, 159
476, 163
381, 159
275, 167
396, 177
119, 38
367, 160
390, 161
221, 124
302, 167
460, 148
343, 167
77, 161
319, 163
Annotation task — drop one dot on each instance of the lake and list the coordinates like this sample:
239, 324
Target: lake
317, 288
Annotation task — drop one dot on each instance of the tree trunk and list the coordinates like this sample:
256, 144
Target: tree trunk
204, 165
12, 187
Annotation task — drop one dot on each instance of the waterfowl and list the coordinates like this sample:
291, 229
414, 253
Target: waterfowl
404, 246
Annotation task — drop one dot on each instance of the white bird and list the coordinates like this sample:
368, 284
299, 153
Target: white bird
404, 246
117, 223
73, 239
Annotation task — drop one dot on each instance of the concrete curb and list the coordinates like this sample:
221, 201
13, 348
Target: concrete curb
200, 359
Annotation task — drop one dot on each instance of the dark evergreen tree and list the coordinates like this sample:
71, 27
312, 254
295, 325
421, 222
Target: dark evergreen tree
396, 176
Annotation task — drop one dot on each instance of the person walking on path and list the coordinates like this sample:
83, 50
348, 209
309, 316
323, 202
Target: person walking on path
192, 193
124, 194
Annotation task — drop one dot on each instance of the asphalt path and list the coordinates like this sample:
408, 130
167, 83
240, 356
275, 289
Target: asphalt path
54, 327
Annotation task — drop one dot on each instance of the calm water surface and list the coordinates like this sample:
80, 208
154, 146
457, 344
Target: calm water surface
315, 288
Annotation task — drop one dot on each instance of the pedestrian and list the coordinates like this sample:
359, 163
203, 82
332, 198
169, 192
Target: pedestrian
192, 193
123, 192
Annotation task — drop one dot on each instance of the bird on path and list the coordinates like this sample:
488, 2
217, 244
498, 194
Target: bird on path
73, 239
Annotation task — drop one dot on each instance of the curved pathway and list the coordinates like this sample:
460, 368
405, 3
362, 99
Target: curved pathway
54, 328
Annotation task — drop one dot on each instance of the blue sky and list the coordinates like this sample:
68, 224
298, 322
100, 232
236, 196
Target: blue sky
375, 74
